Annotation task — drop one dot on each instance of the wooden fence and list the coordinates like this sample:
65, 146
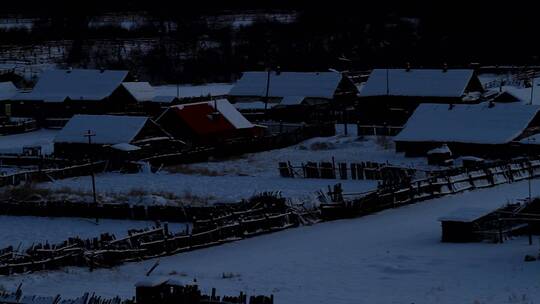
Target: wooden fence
341, 170
278, 138
160, 292
51, 174
436, 184
262, 215
16, 127
377, 130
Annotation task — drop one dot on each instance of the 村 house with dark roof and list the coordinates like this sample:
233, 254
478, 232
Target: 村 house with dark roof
390, 95
484, 129
62, 93
295, 87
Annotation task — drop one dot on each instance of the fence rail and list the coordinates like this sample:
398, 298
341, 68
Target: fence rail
356, 171
264, 214
48, 174
437, 184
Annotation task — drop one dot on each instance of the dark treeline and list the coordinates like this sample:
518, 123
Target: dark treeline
383, 33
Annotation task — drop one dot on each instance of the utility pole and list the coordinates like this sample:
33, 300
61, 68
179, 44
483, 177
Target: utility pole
89, 134
532, 87
268, 73
531, 171
387, 82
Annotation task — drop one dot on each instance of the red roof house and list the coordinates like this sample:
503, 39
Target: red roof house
207, 122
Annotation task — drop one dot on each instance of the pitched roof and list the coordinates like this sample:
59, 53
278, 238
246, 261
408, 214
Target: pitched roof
466, 215
200, 117
108, 129
479, 123
254, 105
7, 90
292, 100
308, 84
141, 91
231, 114
57, 85
417, 83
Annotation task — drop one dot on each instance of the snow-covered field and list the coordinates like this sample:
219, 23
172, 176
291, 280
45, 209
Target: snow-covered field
241, 177
394, 256
15, 143
25, 230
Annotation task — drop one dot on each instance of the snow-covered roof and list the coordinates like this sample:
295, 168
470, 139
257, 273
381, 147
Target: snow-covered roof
76, 84
479, 123
108, 129
157, 281
465, 215
308, 84
7, 90
164, 98
417, 82
292, 100
193, 91
440, 150
125, 147
255, 105
141, 91
231, 114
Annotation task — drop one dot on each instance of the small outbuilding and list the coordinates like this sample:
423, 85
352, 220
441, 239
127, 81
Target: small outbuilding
461, 225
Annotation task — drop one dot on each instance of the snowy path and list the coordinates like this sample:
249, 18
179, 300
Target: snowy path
391, 257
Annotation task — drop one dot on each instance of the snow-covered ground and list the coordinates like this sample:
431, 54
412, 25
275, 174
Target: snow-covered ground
25, 230
15, 143
214, 89
394, 256
241, 177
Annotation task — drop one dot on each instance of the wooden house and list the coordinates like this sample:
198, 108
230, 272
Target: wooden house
391, 95
485, 129
120, 133
207, 122
297, 92
63, 93
7, 91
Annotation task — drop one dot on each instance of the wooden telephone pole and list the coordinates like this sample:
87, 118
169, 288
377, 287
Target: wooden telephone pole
89, 135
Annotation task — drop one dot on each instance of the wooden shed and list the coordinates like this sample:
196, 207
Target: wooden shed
460, 225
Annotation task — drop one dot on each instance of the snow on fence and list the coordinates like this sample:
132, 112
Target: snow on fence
436, 184
147, 292
51, 174
16, 127
263, 215
355, 171
281, 135
377, 130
